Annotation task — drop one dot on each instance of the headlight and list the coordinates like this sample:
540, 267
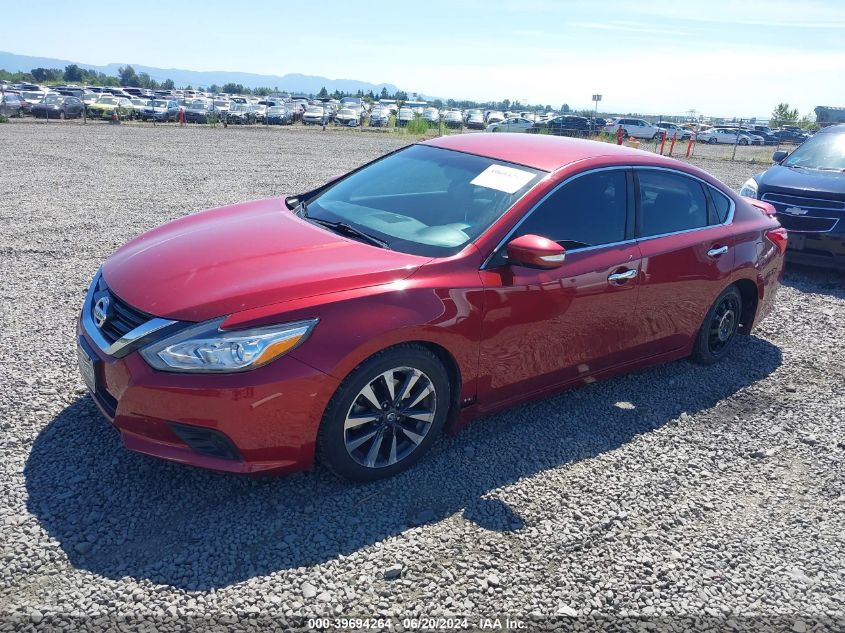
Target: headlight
749, 189
205, 348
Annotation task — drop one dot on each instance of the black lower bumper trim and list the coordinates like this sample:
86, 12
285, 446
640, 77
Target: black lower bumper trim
205, 441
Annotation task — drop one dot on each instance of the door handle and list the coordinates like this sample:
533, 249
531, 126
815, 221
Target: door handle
717, 250
623, 276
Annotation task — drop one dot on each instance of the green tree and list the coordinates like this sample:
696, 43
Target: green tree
323, 93
167, 84
127, 75
73, 73
42, 75
383, 94
564, 108
782, 114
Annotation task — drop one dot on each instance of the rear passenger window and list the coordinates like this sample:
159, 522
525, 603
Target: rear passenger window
670, 203
589, 211
721, 205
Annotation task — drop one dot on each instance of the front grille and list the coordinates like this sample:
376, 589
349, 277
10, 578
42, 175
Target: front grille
806, 224
122, 318
782, 201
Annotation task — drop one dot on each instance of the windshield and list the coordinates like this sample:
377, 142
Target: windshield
107, 100
159, 104
237, 107
196, 105
822, 151
276, 110
53, 99
425, 200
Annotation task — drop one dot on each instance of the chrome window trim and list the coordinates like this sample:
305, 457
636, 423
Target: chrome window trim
728, 220
122, 346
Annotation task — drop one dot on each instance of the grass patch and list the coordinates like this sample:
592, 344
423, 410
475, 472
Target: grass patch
417, 126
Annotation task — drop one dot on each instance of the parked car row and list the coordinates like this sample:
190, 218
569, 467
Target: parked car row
200, 107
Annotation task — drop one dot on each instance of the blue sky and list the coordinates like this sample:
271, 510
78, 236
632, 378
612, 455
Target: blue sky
717, 57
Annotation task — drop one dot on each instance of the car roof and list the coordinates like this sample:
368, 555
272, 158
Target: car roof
540, 151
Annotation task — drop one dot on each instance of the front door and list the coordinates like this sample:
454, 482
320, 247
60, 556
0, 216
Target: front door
545, 327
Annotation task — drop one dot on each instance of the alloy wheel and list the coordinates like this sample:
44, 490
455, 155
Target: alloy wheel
723, 325
390, 417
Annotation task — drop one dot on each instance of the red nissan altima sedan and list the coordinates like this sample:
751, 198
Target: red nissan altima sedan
449, 279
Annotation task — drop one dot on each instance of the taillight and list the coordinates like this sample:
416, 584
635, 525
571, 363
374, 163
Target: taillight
779, 238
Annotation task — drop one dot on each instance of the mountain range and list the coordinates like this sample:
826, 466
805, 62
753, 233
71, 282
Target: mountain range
293, 82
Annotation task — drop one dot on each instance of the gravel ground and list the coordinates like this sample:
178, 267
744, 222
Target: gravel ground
679, 498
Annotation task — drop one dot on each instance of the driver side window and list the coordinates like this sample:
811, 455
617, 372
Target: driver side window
590, 210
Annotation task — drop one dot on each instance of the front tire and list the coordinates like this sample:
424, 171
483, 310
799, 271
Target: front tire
713, 140
720, 328
385, 415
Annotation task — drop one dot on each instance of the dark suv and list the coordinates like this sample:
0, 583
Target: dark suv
807, 189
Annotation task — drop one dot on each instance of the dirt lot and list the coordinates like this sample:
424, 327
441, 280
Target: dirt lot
679, 498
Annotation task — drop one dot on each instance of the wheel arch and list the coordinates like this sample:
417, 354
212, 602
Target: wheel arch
446, 358
750, 293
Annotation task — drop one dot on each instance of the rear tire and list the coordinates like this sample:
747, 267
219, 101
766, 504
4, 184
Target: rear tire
374, 429
713, 140
720, 328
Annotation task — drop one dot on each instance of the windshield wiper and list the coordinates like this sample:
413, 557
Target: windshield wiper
349, 230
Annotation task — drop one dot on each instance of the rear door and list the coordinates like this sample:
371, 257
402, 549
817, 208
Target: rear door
687, 245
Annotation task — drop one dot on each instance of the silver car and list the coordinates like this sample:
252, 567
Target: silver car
379, 117
513, 124
314, 115
349, 117
405, 116
432, 115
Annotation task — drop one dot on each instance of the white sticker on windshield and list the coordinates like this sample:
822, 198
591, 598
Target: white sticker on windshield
502, 178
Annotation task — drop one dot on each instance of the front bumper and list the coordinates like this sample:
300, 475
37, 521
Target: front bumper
255, 422
823, 250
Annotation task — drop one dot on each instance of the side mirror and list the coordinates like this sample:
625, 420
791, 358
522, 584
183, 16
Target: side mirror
534, 251
778, 156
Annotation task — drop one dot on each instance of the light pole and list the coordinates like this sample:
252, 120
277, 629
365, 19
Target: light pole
596, 99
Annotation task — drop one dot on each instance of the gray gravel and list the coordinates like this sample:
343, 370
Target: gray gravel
679, 498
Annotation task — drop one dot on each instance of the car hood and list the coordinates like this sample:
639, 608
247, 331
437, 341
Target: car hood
798, 181
244, 256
